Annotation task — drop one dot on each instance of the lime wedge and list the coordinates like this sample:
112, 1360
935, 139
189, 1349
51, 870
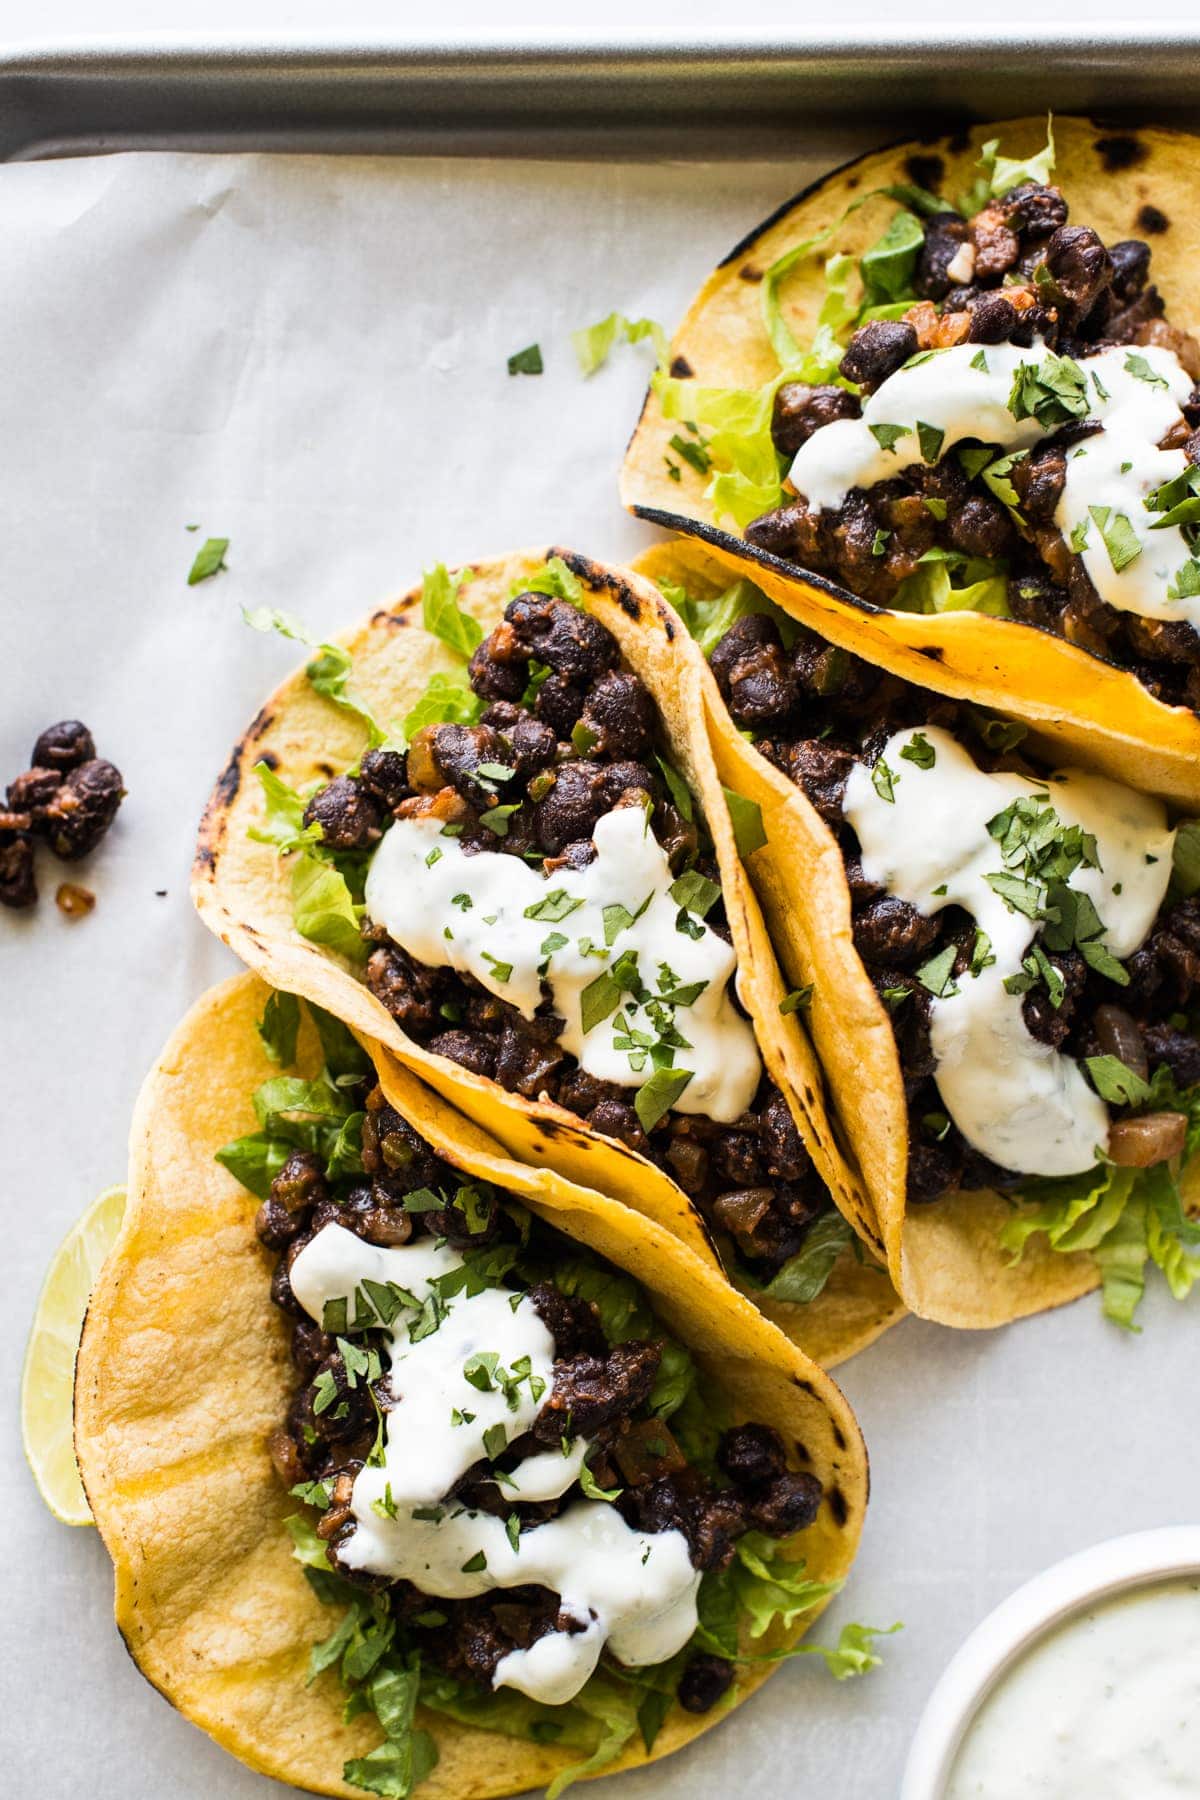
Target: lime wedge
48, 1379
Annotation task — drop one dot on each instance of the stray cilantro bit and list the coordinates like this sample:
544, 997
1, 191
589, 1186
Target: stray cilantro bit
692, 453
1120, 539
527, 361
497, 817
931, 439
659, 1095
1138, 365
208, 560
888, 436
883, 780
920, 751
798, 1000
937, 975
746, 818
1053, 392
1116, 1082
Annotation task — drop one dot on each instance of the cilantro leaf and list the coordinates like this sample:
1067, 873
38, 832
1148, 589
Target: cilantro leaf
527, 361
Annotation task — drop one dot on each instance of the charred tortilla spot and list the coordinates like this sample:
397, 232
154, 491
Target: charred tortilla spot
681, 368
269, 758
669, 630
1151, 219
959, 140
852, 181
934, 652
838, 1436
326, 769
261, 724
230, 779
748, 272
837, 1503
925, 171
1121, 152
806, 1387
206, 857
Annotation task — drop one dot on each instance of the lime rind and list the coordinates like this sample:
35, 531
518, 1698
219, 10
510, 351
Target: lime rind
48, 1377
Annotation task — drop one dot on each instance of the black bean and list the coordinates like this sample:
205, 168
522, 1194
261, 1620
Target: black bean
877, 350
63, 746
83, 809
347, 814
799, 410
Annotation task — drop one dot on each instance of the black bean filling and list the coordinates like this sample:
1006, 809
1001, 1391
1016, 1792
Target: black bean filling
67, 799
815, 711
581, 736
600, 1389
1034, 275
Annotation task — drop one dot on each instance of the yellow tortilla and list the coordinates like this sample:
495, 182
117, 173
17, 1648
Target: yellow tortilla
183, 1372
1078, 700
945, 1259
242, 891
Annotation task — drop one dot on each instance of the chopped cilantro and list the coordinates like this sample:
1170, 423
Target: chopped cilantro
527, 361
920, 751
888, 436
1138, 366
1120, 539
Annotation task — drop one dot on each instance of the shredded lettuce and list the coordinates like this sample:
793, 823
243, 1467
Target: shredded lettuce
804, 1275
853, 1654
594, 344
284, 825
323, 910
279, 1027
444, 702
329, 672
554, 577
708, 620
737, 427
1000, 173
947, 581
769, 1588
1124, 1217
441, 613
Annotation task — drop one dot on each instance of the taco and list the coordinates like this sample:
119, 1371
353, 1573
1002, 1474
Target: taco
609, 1504
1004, 956
946, 400
487, 832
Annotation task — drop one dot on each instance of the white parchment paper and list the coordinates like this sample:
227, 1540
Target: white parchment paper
308, 356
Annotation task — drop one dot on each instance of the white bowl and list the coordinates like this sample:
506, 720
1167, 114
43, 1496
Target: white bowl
1141, 1560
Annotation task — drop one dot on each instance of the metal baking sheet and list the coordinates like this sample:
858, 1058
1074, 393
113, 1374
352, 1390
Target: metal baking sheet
679, 100
278, 347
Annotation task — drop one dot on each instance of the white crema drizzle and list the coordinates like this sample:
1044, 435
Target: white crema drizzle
963, 393
633, 1590
1018, 1101
449, 909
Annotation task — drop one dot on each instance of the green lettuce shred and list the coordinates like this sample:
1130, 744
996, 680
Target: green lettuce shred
1124, 1217
947, 581
329, 672
1000, 173
594, 344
